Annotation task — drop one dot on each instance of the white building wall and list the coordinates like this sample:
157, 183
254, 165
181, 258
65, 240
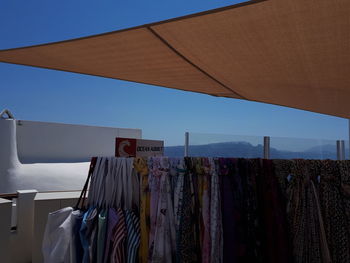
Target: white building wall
22, 238
44, 204
52, 156
41, 142
5, 230
45, 157
24, 244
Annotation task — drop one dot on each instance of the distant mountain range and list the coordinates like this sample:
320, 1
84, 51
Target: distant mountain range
247, 150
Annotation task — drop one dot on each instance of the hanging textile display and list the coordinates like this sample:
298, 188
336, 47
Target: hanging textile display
332, 208
211, 210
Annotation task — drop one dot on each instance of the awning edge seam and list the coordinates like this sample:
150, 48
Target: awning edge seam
193, 64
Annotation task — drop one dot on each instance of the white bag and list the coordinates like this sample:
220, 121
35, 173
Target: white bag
57, 237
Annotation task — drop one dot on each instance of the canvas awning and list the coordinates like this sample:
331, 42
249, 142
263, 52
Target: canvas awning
294, 53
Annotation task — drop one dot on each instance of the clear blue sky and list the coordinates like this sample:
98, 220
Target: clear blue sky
48, 95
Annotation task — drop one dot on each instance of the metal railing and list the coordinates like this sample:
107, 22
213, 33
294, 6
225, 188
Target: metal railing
340, 150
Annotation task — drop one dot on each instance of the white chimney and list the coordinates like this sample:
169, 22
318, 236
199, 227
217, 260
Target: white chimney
8, 145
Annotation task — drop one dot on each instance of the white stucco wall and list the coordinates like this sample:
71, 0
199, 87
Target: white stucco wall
41, 142
5, 233
45, 157
24, 244
51, 156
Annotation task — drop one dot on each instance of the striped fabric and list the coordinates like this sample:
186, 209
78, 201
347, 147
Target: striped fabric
118, 251
133, 235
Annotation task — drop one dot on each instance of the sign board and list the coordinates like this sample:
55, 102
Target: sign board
128, 147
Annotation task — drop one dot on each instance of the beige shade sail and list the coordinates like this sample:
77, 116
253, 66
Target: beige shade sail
293, 53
